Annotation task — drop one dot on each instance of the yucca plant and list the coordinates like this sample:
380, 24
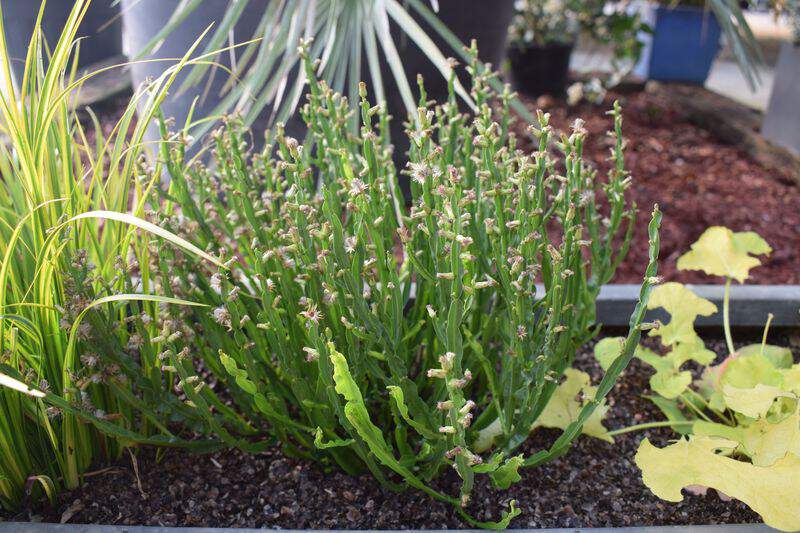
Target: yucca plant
351, 39
392, 340
76, 293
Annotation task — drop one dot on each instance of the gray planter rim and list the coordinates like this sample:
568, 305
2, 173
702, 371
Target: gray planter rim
750, 305
28, 527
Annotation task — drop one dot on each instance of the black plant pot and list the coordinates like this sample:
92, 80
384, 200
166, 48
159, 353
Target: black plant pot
538, 70
101, 29
487, 21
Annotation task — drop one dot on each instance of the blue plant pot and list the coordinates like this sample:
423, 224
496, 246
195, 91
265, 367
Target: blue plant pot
685, 44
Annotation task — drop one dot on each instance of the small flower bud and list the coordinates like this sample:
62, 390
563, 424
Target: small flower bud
437, 373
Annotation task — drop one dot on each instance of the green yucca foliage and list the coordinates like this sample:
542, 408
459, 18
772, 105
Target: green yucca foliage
383, 338
76, 295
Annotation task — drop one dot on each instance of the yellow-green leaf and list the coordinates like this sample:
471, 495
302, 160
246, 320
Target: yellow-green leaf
650, 357
764, 442
692, 350
399, 399
567, 402
747, 372
753, 402
333, 443
357, 414
562, 409
670, 383
607, 350
506, 475
772, 491
683, 306
779, 356
721, 252
791, 379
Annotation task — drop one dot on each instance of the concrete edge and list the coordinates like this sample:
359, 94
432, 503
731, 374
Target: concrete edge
750, 305
20, 527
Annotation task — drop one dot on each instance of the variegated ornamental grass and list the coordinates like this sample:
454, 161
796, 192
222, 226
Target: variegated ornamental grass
401, 341
75, 287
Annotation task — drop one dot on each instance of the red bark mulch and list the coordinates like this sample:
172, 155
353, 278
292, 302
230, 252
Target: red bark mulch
697, 182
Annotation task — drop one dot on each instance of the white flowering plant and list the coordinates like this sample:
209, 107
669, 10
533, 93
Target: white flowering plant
399, 341
541, 22
790, 11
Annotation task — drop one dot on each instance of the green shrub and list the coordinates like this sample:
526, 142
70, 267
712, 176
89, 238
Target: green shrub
384, 338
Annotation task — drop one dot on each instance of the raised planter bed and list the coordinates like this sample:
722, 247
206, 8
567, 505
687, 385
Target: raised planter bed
69, 528
751, 305
596, 484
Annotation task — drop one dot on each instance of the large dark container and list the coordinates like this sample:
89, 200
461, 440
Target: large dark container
538, 70
101, 29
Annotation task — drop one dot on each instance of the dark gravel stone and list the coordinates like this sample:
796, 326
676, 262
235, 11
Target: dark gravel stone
596, 484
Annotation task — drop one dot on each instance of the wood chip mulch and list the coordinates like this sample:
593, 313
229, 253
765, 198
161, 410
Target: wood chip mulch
697, 181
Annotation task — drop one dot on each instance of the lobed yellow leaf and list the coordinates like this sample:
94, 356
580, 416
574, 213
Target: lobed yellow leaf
566, 403
683, 306
607, 350
721, 252
562, 409
772, 491
753, 402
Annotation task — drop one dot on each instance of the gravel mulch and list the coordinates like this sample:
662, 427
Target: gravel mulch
596, 484
697, 181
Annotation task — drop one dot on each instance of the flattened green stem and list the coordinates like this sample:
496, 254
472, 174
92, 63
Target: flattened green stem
726, 322
649, 425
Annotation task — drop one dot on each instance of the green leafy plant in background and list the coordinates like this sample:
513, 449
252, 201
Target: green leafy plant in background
354, 330
542, 22
80, 316
790, 11
741, 419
